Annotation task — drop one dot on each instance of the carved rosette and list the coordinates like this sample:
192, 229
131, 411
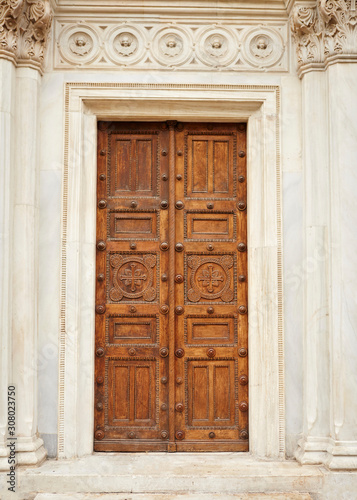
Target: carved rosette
210, 278
217, 46
125, 45
171, 46
325, 31
263, 47
79, 44
24, 30
133, 277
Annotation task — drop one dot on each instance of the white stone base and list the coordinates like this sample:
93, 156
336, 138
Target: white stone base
4, 456
30, 451
336, 455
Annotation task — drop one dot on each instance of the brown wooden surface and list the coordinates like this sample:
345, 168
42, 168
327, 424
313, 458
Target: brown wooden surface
171, 274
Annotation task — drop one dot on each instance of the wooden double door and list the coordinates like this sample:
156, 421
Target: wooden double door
171, 348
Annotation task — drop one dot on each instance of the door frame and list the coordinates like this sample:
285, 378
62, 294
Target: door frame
259, 105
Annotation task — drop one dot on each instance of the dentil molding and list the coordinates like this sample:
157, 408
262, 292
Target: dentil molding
24, 31
186, 45
324, 32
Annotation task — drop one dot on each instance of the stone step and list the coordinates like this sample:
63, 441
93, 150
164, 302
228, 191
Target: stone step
171, 474
140, 496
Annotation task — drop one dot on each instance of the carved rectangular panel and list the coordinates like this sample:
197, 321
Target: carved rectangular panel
132, 389
210, 393
204, 331
210, 165
133, 164
133, 225
208, 226
128, 330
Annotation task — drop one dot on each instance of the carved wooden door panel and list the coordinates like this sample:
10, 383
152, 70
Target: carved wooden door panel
132, 259
171, 294
211, 303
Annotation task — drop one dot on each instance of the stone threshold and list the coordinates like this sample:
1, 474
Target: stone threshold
139, 496
179, 474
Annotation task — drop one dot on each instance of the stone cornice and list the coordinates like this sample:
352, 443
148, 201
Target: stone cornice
24, 31
192, 9
325, 32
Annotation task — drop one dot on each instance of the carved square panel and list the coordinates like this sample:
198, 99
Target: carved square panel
210, 165
132, 277
133, 164
210, 278
210, 393
203, 331
208, 226
125, 225
131, 385
136, 330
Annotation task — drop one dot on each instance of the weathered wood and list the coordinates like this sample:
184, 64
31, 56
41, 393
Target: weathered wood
171, 296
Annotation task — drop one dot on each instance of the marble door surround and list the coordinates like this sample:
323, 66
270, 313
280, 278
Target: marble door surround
260, 107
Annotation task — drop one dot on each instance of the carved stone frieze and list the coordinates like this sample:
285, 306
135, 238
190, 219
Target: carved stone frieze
324, 32
24, 30
170, 45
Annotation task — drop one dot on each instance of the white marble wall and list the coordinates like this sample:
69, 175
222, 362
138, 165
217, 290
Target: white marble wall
51, 174
294, 271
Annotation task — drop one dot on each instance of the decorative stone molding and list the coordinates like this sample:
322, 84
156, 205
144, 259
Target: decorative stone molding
10, 11
170, 45
324, 33
24, 31
260, 104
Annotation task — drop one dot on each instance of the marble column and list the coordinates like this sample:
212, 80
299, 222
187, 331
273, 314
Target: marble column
315, 275
30, 449
325, 34
342, 103
7, 85
24, 26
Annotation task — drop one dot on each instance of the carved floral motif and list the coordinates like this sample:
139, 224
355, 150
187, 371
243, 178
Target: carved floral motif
210, 278
328, 29
24, 30
133, 277
10, 11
